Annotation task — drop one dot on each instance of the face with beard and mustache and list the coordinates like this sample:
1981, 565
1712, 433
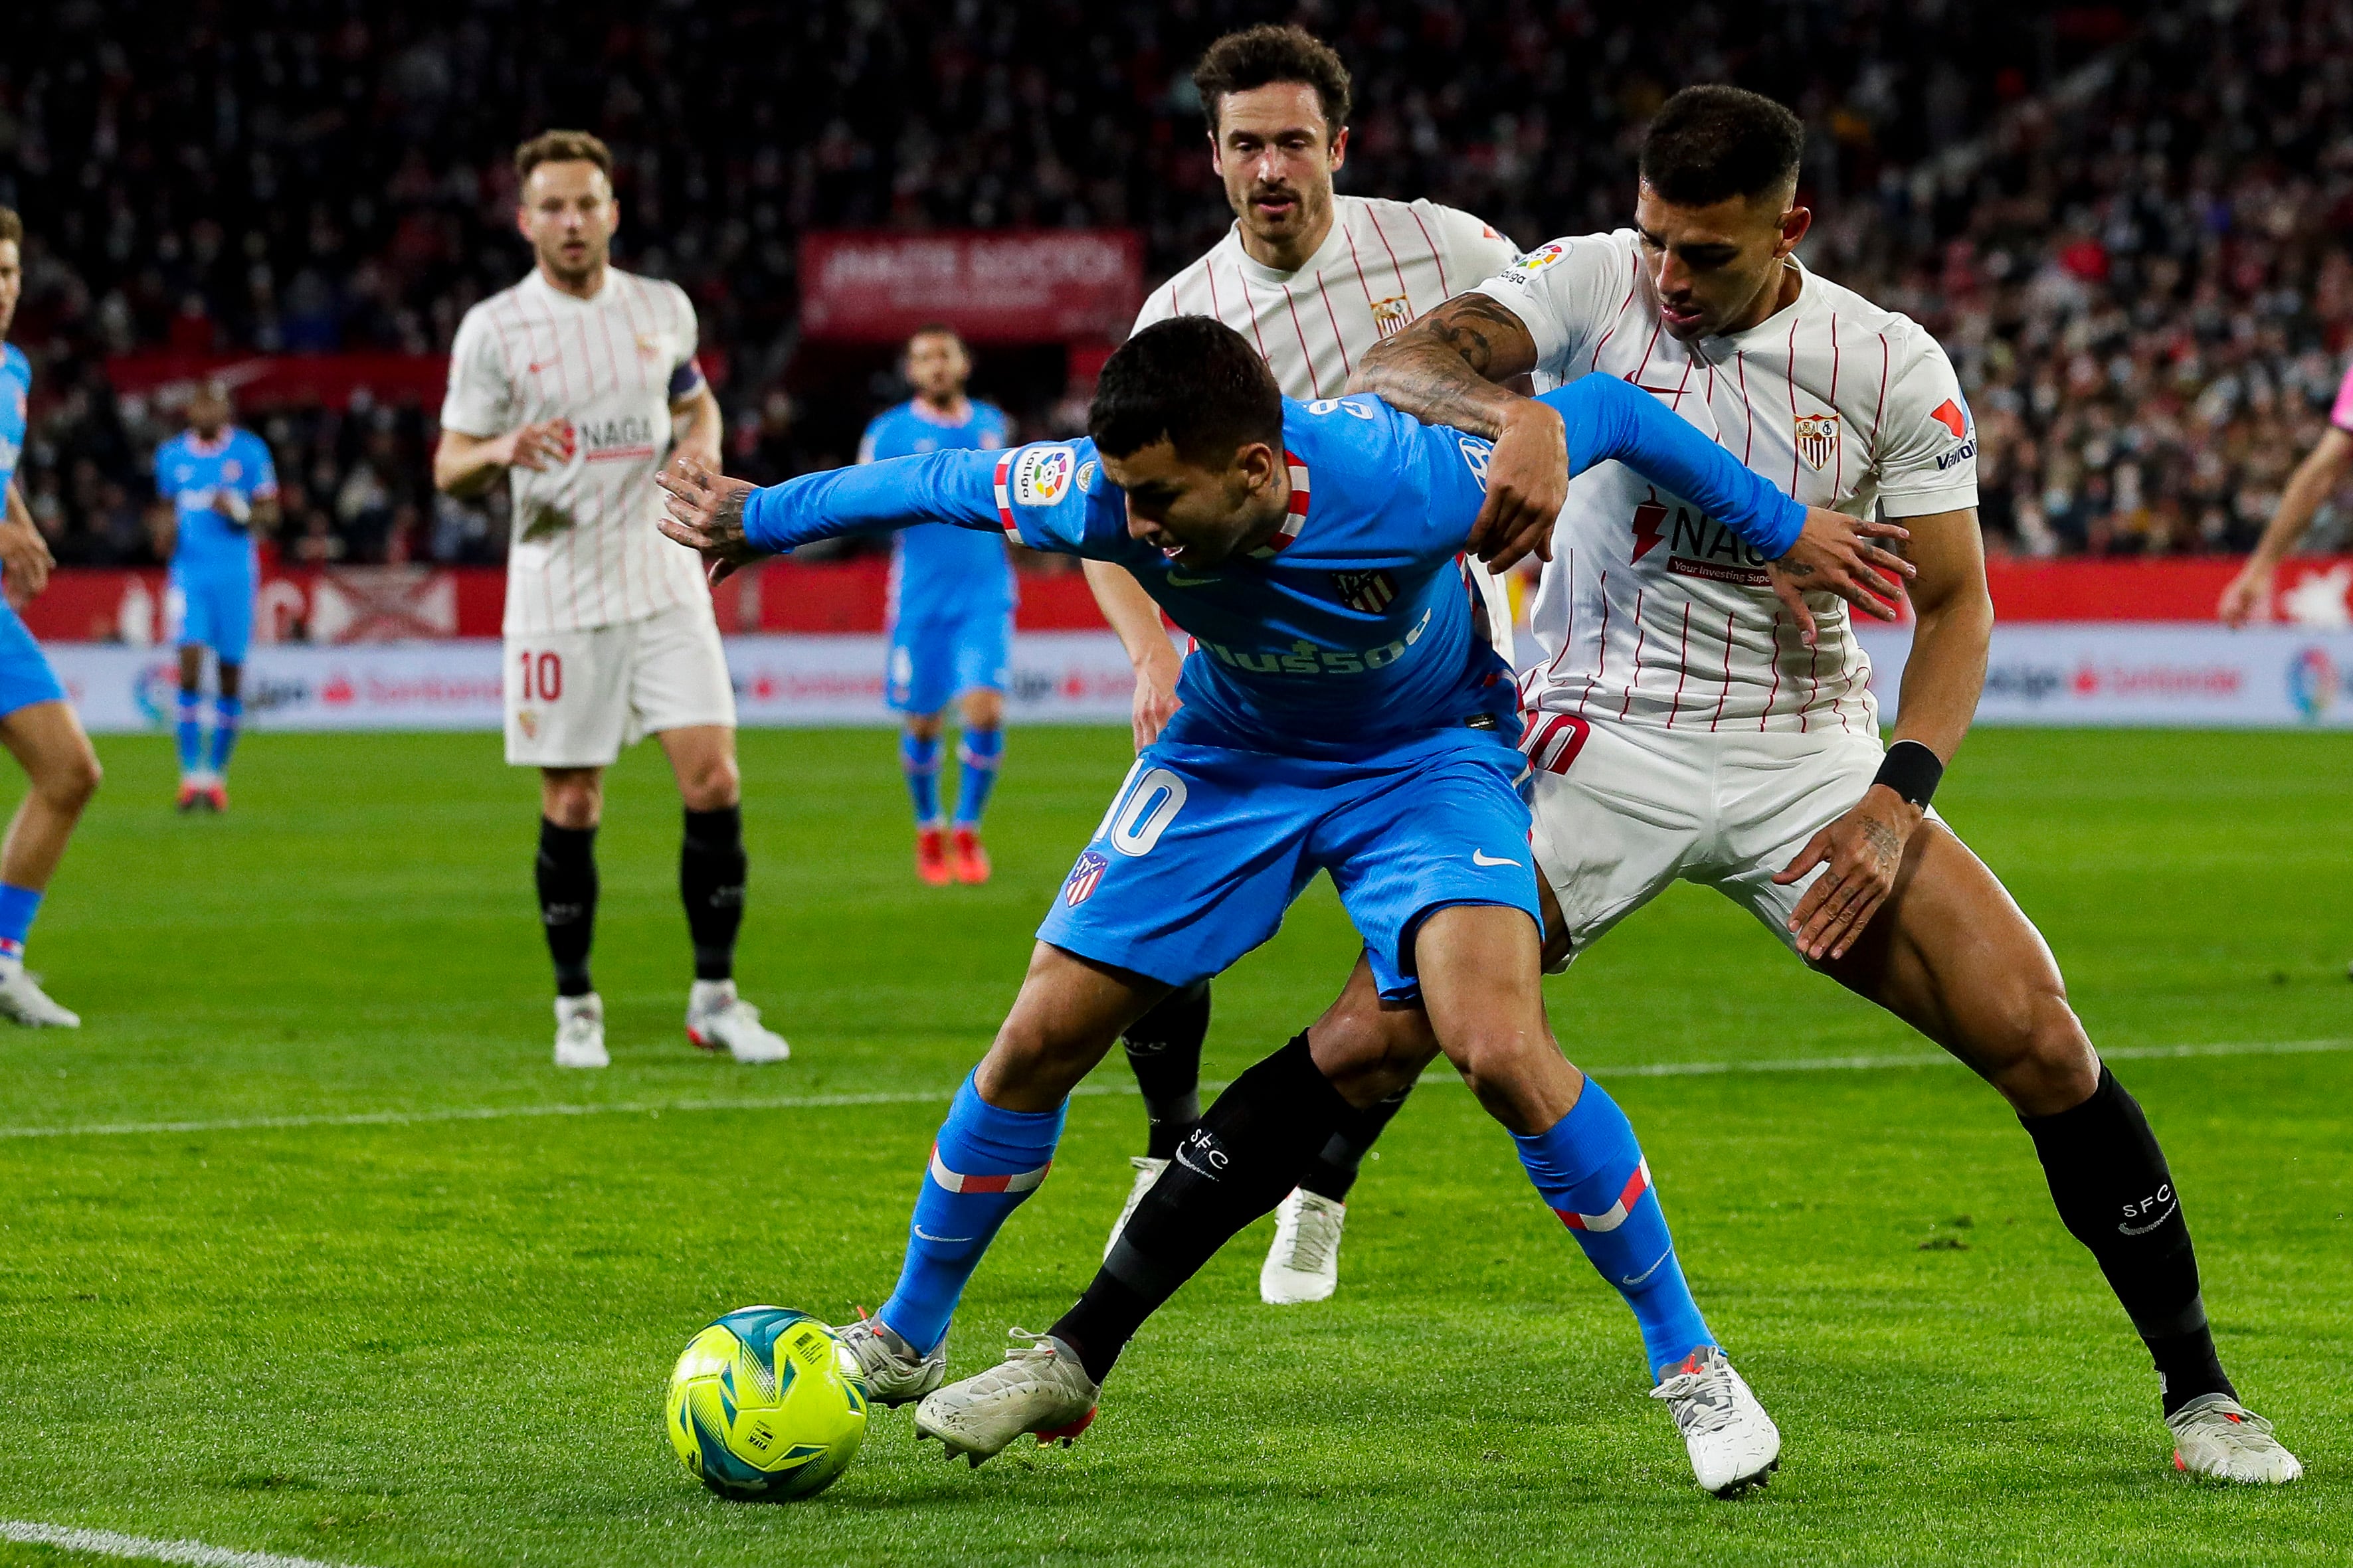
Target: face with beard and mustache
1277, 154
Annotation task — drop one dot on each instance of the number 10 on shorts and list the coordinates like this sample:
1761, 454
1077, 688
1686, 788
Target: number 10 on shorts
543, 675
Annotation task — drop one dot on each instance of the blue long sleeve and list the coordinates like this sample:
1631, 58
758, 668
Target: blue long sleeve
956, 486
1609, 418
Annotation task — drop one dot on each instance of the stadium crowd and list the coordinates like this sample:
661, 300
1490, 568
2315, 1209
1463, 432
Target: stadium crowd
2125, 223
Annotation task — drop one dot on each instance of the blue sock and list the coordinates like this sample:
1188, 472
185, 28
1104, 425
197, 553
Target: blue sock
227, 712
17, 908
977, 754
191, 732
1591, 1171
984, 1164
919, 759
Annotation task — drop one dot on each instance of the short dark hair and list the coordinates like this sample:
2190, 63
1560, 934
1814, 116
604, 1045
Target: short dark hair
1192, 381
1257, 56
11, 226
562, 147
936, 329
1708, 145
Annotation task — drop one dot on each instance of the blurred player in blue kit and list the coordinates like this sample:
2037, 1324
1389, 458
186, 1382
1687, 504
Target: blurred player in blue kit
36, 723
223, 489
1341, 714
950, 613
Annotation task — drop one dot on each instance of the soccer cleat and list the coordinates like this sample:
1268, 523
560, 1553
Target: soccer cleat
1039, 1387
22, 1000
885, 1365
1303, 1264
580, 1032
2216, 1438
1733, 1443
1148, 1171
932, 857
970, 858
196, 794
217, 793
719, 1020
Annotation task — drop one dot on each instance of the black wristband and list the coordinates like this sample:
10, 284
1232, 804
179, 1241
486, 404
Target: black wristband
1911, 771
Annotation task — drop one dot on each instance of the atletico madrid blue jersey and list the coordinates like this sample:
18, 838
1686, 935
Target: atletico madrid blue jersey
1352, 626
15, 395
192, 473
940, 572
25, 674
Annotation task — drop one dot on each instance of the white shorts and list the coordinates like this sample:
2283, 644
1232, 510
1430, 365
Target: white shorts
576, 699
1622, 810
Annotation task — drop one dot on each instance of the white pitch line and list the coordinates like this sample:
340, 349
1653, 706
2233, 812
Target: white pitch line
934, 1097
106, 1544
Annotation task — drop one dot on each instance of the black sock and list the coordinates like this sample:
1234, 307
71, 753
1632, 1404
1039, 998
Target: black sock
567, 901
711, 881
1332, 1172
2116, 1196
1164, 1048
1234, 1166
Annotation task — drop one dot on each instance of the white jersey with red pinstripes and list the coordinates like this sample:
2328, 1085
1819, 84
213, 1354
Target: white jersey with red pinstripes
1654, 613
1383, 264
585, 550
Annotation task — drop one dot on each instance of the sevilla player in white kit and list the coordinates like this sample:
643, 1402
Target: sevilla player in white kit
576, 383
1694, 719
1314, 280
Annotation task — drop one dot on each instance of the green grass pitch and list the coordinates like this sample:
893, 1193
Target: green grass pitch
443, 1339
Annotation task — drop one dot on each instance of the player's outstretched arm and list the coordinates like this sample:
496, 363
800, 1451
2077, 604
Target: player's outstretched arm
1447, 369
1944, 677
2322, 470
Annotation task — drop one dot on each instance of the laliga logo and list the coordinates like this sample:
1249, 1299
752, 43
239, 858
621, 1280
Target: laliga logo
1041, 476
2312, 682
1541, 257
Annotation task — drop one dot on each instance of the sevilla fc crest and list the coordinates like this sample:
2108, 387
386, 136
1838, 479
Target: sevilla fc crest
1368, 590
1083, 878
1818, 436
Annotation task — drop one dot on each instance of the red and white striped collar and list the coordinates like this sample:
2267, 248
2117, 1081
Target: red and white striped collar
200, 447
1296, 519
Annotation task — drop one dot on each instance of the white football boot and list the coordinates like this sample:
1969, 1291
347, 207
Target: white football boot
1303, 1264
889, 1368
1733, 1443
719, 1020
1148, 1171
1039, 1387
22, 1000
2216, 1438
580, 1032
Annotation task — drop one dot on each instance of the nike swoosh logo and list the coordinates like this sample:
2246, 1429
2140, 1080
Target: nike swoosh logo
927, 1235
1633, 1280
2144, 1230
1178, 579
1480, 858
1192, 1167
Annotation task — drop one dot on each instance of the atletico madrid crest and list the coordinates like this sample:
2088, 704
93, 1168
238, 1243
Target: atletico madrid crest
1083, 878
1369, 592
1817, 437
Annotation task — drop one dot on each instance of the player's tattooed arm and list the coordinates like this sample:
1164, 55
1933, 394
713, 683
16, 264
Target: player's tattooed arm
706, 515
1862, 851
1861, 562
1461, 365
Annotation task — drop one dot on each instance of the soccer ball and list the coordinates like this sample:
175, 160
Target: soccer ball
761, 1409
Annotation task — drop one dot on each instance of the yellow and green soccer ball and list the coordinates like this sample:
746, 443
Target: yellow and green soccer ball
761, 1409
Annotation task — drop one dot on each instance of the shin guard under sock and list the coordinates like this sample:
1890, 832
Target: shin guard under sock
567, 901
1592, 1172
985, 1163
710, 867
979, 754
2115, 1194
1164, 1050
189, 732
1235, 1165
228, 717
919, 760
1332, 1172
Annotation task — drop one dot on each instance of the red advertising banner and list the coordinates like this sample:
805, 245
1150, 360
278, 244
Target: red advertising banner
271, 381
1023, 286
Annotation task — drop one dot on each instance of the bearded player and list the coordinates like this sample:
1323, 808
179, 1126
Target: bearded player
1674, 677
1313, 280
575, 383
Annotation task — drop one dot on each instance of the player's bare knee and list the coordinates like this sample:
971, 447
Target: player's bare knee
1369, 1054
572, 801
68, 783
2038, 1055
713, 785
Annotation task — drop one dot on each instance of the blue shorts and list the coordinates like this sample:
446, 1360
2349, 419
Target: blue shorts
213, 611
935, 659
1205, 847
26, 677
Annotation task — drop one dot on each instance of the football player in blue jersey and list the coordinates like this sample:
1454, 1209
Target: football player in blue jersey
223, 489
1342, 714
950, 613
36, 723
